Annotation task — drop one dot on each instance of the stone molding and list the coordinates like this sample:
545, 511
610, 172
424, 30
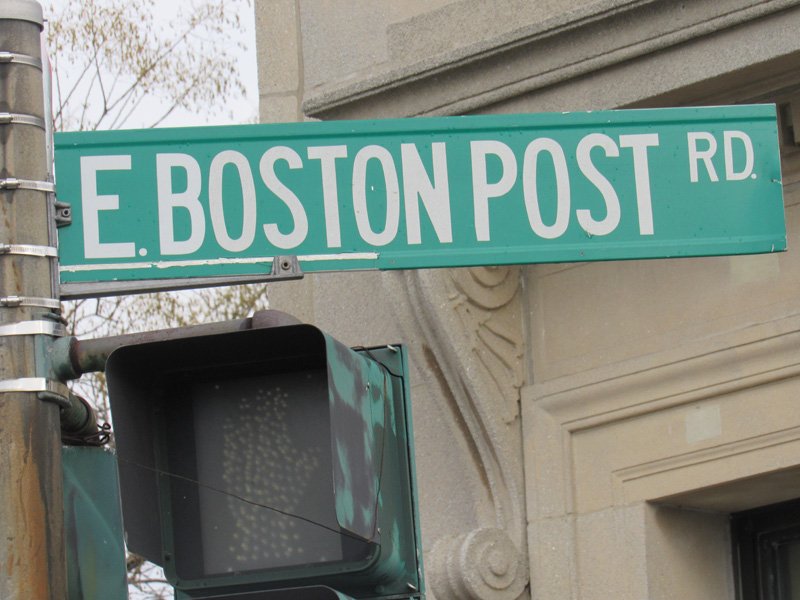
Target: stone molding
533, 57
701, 369
710, 427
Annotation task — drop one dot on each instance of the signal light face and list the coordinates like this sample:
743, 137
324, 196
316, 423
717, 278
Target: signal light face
264, 476
266, 459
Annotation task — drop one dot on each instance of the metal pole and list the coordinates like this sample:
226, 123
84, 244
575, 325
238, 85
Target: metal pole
32, 554
72, 357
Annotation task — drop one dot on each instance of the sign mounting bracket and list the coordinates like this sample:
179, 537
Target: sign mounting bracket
283, 268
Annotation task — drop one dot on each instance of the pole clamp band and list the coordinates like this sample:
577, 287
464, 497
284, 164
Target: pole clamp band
29, 250
19, 59
20, 119
16, 301
52, 391
34, 328
12, 183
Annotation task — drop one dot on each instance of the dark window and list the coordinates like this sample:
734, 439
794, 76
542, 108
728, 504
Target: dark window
766, 552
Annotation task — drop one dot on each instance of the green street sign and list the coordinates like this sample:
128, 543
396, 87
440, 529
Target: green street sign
166, 208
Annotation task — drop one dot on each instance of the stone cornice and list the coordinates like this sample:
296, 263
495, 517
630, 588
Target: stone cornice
739, 360
537, 56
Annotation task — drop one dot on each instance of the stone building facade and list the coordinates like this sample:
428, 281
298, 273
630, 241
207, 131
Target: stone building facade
583, 431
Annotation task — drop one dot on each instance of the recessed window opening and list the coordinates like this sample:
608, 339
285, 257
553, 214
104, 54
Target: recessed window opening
766, 552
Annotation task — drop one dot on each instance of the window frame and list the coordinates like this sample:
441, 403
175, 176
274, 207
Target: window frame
756, 536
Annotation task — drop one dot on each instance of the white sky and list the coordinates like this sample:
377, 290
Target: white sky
244, 109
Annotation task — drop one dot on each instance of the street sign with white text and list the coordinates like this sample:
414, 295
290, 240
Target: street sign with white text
166, 207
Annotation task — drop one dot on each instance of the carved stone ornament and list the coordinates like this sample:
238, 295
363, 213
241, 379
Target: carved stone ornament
487, 300
471, 321
481, 565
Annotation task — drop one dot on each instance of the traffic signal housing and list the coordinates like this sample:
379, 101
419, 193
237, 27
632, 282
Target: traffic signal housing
260, 460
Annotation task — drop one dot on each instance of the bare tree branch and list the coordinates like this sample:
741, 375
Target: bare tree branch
111, 62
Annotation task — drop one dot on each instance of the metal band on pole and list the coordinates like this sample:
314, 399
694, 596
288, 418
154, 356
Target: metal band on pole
51, 328
21, 119
12, 183
15, 301
19, 59
45, 389
29, 250
53, 389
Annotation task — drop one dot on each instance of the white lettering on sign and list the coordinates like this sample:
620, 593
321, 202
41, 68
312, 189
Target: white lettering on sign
408, 188
703, 147
531, 193
749, 158
697, 154
435, 196
267, 168
216, 205
639, 143
609, 223
482, 190
92, 203
327, 156
188, 199
392, 195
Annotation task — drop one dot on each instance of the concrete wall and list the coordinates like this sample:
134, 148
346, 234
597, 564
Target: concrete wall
583, 431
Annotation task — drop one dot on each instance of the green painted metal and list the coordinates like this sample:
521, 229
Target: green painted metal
304, 593
268, 458
398, 503
360, 394
173, 204
93, 525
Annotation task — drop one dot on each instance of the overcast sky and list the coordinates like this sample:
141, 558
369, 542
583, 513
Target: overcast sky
245, 109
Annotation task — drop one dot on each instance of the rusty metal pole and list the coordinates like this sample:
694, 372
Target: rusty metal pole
72, 357
32, 554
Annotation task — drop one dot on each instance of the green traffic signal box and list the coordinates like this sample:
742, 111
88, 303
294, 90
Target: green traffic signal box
265, 459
